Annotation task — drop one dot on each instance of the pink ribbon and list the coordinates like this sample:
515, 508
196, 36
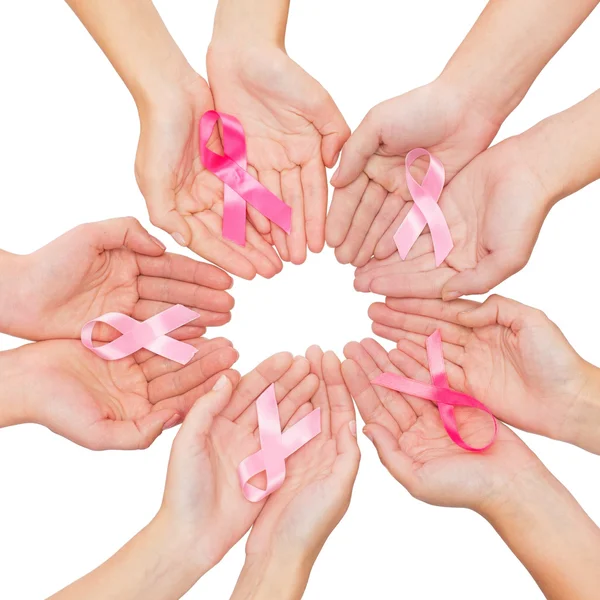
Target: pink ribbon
150, 335
425, 210
440, 392
275, 446
240, 186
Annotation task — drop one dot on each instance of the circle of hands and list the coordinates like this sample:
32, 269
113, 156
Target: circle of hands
507, 355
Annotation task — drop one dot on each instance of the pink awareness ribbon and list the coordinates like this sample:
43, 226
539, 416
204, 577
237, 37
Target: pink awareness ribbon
240, 186
275, 446
425, 210
440, 392
151, 334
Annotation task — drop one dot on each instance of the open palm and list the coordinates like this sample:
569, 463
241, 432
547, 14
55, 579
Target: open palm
183, 197
507, 355
293, 129
414, 446
122, 404
495, 208
371, 197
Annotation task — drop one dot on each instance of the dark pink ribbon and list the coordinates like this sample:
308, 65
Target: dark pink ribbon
275, 446
240, 186
425, 210
440, 392
151, 334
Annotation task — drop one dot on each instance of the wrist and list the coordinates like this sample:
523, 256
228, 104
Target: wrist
13, 268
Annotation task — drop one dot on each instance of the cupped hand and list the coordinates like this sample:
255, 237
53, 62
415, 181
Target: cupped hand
183, 197
203, 498
110, 266
413, 445
371, 198
293, 130
123, 404
298, 518
507, 355
495, 208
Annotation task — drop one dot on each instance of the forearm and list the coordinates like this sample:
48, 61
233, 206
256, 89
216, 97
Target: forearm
152, 566
137, 43
12, 271
265, 577
15, 379
551, 535
508, 46
251, 20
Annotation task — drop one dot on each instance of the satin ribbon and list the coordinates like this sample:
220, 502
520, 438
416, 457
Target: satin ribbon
425, 210
240, 186
150, 335
440, 392
275, 446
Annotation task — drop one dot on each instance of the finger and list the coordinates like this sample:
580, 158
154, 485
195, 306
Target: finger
291, 188
420, 285
125, 232
182, 268
363, 143
284, 385
333, 128
144, 309
260, 222
496, 310
434, 308
489, 272
314, 354
343, 206
181, 292
452, 352
370, 204
346, 465
314, 190
400, 465
193, 374
340, 400
272, 181
300, 413
256, 382
387, 246
297, 397
367, 401
383, 314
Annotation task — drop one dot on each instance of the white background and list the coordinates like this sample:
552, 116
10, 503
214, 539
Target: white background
68, 136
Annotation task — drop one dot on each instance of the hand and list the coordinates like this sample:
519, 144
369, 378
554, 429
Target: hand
507, 355
495, 208
371, 198
298, 518
414, 446
110, 266
183, 197
203, 500
121, 405
293, 129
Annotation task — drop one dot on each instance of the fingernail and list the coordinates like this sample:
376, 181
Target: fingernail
178, 238
174, 420
221, 383
230, 285
158, 243
335, 175
368, 434
352, 426
336, 159
447, 296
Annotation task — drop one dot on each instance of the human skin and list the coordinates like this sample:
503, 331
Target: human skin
296, 520
108, 266
182, 197
293, 127
495, 208
455, 117
507, 484
510, 356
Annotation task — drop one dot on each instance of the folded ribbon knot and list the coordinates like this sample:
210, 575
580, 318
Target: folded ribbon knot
275, 446
150, 335
240, 186
440, 392
425, 210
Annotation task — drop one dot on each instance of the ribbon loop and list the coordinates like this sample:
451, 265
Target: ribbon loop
240, 186
439, 393
275, 446
425, 210
151, 334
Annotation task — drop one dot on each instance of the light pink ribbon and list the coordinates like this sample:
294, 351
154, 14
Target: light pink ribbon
425, 210
151, 334
440, 392
240, 186
275, 446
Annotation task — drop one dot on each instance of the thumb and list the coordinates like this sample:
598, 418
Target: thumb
495, 310
160, 203
348, 451
125, 232
489, 272
333, 128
